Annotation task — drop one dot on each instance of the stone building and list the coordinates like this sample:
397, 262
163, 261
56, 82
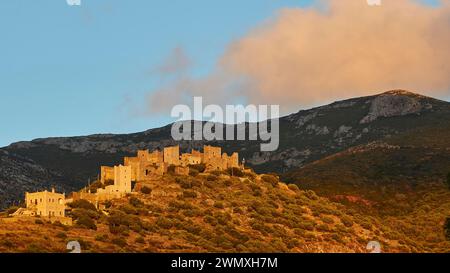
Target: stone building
46, 203
172, 155
122, 181
106, 174
145, 165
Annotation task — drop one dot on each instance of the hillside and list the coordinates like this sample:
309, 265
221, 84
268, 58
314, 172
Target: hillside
382, 172
211, 213
305, 137
400, 181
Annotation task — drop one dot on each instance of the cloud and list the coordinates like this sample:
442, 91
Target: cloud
344, 48
177, 62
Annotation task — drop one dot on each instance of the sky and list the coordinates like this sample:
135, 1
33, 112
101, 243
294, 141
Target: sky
110, 66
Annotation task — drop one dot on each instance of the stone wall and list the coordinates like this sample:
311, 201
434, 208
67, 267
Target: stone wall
172, 155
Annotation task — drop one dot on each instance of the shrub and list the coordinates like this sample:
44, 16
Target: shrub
107, 204
86, 222
327, 220
101, 237
119, 241
235, 172
184, 184
217, 172
12, 209
140, 240
61, 235
212, 177
210, 220
120, 222
82, 204
270, 179
219, 205
78, 213
94, 186
189, 194
311, 195
135, 202
293, 187
347, 221
198, 167
447, 228
164, 223
129, 209
109, 182
146, 190
35, 248
171, 169
193, 172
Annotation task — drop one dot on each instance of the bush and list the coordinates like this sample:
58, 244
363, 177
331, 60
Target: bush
447, 228
171, 169
129, 209
101, 237
311, 195
135, 202
78, 213
146, 190
193, 172
219, 205
293, 187
347, 221
12, 209
189, 194
210, 220
82, 204
270, 179
61, 235
120, 222
198, 167
164, 223
235, 172
109, 182
107, 204
217, 172
119, 241
86, 222
327, 219
212, 177
140, 240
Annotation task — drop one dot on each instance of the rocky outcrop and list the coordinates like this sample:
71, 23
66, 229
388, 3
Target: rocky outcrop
394, 103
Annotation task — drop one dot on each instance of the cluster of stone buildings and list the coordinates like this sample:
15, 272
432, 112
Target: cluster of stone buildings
150, 165
118, 180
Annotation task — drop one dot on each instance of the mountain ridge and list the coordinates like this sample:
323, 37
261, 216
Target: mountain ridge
305, 137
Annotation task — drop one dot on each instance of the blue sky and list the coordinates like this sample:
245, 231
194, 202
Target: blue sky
67, 70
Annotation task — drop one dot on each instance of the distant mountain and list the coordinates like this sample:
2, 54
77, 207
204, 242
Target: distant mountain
305, 137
